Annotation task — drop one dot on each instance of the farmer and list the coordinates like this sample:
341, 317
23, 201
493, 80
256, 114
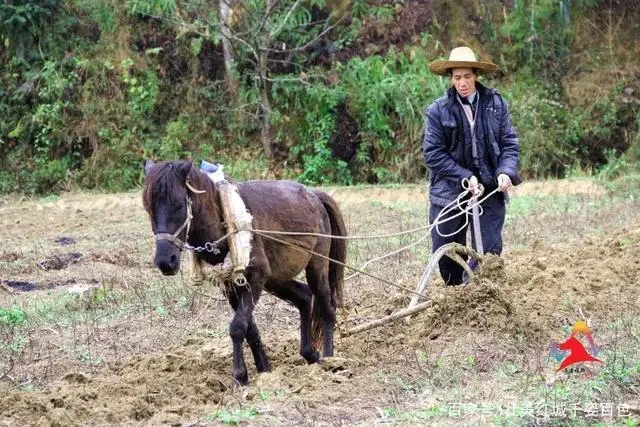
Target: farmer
469, 143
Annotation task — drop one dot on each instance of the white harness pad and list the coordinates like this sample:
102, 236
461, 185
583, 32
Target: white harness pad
242, 220
239, 253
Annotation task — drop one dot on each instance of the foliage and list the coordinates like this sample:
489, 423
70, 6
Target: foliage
88, 89
549, 134
557, 137
539, 35
102, 12
314, 104
386, 94
23, 22
12, 317
42, 133
173, 143
142, 92
151, 7
11, 341
392, 93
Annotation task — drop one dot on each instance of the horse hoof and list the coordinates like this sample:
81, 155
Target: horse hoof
241, 378
266, 367
311, 357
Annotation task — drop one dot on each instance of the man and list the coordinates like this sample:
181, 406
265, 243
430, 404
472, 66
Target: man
468, 139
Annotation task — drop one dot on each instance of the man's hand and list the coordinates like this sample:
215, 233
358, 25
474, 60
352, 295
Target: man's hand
504, 182
474, 187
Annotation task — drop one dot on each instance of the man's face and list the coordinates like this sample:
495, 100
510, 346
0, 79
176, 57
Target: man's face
463, 80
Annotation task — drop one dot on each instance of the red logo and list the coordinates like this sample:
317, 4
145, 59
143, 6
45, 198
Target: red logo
572, 350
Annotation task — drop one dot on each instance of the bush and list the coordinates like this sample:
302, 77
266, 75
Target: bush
387, 97
11, 340
549, 133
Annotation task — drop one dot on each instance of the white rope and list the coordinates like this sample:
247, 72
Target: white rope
457, 203
439, 221
448, 208
397, 251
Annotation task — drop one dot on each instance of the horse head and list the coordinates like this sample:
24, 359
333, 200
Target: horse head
166, 200
176, 198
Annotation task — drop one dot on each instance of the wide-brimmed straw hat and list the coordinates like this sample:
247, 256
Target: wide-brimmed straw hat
461, 57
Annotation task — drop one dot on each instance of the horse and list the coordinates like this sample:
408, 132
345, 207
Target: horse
183, 206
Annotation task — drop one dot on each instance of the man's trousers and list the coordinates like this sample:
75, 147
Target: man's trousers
491, 224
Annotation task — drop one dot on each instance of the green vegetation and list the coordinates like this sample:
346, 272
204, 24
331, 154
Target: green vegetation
326, 92
12, 341
234, 416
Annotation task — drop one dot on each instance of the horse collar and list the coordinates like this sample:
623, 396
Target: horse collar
173, 238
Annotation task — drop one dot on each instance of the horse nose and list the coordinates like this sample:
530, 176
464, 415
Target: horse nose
168, 266
167, 259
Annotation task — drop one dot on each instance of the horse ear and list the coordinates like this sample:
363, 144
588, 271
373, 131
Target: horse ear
148, 164
185, 168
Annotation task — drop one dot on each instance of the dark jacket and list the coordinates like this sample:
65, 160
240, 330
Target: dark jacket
447, 144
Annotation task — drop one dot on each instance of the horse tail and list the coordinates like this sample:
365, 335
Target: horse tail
338, 252
338, 249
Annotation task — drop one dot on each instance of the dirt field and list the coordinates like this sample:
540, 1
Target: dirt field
142, 349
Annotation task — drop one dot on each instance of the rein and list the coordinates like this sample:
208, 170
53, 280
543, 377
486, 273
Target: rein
173, 238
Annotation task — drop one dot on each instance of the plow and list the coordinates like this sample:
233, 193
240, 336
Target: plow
455, 251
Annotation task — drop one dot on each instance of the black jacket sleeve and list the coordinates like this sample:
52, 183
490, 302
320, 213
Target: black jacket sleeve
509, 147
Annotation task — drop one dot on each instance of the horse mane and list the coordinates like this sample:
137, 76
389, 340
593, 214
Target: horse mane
205, 204
159, 184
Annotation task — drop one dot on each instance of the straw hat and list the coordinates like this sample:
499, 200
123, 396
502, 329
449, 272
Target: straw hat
461, 57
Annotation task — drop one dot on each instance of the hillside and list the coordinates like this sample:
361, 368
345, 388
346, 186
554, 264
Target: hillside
320, 91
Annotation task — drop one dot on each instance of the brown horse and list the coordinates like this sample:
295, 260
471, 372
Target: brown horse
275, 205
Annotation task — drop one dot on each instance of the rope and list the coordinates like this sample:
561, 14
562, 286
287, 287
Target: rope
448, 208
373, 237
457, 203
336, 261
437, 222
387, 255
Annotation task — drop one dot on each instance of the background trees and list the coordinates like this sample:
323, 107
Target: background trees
324, 91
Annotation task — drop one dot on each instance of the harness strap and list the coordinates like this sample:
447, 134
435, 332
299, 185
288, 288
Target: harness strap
173, 238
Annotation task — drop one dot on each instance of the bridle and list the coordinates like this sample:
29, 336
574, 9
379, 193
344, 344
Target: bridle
173, 238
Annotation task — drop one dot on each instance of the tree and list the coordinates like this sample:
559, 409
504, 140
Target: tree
23, 22
257, 36
226, 12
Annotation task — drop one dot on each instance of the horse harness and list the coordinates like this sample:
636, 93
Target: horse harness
173, 238
237, 267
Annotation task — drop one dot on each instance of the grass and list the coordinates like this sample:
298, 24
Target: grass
234, 416
577, 397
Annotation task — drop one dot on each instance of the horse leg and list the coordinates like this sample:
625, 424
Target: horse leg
245, 299
299, 294
253, 339
257, 349
318, 278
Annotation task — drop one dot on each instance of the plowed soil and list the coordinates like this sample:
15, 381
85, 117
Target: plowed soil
146, 366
